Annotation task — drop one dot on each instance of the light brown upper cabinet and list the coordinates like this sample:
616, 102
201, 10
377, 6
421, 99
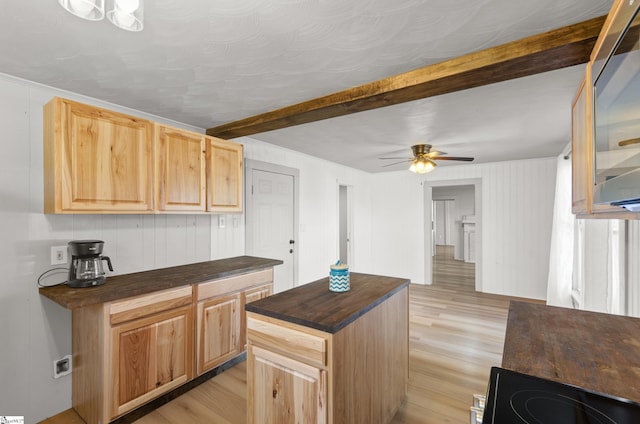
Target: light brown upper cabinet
96, 160
582, 160
580, 119
224, 175
180, 169
99, 161
600, 120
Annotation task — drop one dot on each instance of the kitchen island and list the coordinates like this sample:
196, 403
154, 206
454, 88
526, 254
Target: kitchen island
597, 351
316, 356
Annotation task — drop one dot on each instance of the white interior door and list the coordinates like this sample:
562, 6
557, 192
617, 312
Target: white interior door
270, 227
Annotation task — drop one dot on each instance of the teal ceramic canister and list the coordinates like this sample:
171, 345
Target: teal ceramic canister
339, 277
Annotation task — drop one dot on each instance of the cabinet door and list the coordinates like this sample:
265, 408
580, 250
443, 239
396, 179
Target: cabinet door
180, 170
96, 160
257, 293
224, 176
249, 296
218, 331
150, 356
580, 142
281, 390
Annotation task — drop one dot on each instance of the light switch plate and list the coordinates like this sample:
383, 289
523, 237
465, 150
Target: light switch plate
222, 221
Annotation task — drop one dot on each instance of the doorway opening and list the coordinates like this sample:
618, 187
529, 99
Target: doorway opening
344, 225
453, 233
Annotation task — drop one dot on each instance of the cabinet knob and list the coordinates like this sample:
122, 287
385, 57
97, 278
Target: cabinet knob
292, 241
290, 250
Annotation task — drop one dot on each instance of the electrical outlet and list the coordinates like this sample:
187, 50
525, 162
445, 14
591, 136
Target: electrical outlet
222, 221
62, 367
58, 255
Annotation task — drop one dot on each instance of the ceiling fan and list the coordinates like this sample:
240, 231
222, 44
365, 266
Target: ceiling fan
424, 158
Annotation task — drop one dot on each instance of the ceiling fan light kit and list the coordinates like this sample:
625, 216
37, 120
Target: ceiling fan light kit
424, 159
422, 165
125, 14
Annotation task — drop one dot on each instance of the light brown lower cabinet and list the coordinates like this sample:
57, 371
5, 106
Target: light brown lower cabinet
219, 332
249, 296
307, 403
221, 317
128, 352
358, 375
150, 356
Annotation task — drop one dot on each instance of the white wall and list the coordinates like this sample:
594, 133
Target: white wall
517, 208
398, 225
35, 331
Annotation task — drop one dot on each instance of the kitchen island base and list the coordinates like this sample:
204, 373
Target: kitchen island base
356, 374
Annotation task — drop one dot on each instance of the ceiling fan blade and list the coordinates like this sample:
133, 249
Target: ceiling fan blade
395, 163
404, 157
453, 158
629, 142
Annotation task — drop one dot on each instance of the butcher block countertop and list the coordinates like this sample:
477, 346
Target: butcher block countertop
313, 305
596, 351
127, 285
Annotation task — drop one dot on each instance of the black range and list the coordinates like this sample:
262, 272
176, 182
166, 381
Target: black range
515, 398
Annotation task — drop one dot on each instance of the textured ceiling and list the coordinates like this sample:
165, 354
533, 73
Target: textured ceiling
206, 63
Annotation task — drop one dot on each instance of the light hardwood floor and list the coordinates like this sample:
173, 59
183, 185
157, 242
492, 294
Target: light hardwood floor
456, 335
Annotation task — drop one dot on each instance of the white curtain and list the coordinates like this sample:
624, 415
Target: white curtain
559, 284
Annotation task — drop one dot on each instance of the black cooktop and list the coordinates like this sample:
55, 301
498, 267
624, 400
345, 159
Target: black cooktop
515, 398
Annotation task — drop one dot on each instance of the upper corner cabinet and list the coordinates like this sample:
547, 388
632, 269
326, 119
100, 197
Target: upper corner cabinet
96, 160
616, 109
224, 175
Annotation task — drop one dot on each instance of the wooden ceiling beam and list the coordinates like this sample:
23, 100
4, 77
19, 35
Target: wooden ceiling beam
559, 48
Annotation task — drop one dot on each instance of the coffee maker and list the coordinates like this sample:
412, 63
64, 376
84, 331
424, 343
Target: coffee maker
86, 263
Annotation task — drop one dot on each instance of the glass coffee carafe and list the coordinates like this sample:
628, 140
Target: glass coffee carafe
86, 263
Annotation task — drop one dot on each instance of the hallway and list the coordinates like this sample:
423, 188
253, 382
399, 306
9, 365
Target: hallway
450, 272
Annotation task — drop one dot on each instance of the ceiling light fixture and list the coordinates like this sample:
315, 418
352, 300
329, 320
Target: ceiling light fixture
92, 10
422, 165
125, 14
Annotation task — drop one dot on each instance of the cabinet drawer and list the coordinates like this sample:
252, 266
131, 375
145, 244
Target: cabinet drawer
232, 284
287, 340
140, 306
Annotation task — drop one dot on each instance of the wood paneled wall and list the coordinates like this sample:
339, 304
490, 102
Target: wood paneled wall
35, 331
516, 216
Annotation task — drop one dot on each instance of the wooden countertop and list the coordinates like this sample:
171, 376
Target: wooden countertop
596, 351
313, 305
127, 285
